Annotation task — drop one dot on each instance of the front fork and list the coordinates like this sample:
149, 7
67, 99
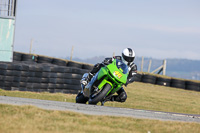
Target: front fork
107, 98
86, 89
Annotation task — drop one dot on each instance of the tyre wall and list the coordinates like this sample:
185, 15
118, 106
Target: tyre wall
45, 74
168, 82
42, 74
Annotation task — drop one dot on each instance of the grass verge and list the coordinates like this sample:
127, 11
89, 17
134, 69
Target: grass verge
32, 120
160, 98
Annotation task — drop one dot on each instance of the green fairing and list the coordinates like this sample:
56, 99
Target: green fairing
103, 71
112, 68
113, 76
103, 82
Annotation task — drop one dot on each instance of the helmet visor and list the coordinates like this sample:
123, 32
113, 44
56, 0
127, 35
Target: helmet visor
128, 59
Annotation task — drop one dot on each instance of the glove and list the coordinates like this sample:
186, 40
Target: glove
107, 61
84, 81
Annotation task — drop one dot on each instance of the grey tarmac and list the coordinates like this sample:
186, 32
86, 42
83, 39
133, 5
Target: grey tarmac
101, 110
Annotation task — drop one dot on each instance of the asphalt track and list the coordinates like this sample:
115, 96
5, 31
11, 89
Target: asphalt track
101, 110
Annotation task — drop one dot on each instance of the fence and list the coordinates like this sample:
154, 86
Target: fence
160, 69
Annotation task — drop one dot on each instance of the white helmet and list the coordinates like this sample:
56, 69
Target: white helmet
128, 55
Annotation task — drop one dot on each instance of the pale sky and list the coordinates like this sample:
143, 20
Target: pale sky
154, 28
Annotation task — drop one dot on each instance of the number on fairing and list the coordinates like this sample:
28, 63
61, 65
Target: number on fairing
118, 74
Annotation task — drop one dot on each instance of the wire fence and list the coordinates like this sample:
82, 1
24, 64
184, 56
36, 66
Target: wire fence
7, 8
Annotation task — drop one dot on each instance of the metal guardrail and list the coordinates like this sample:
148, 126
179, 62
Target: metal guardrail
8, 8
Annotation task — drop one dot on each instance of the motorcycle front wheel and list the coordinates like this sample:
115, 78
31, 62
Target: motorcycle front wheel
95, 98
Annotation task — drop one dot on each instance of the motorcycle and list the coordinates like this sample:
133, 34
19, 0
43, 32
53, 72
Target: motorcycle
108, 80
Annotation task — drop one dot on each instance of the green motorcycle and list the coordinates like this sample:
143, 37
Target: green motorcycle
108, 80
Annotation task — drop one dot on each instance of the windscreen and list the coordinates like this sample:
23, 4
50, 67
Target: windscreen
122, 67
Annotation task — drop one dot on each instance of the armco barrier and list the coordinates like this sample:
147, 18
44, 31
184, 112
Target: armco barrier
45, 74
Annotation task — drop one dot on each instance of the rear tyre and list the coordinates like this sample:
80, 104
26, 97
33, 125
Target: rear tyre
100, 96
80, 98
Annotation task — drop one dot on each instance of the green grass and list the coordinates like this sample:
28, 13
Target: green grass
43, 96
160, 98
140, 96
29, 119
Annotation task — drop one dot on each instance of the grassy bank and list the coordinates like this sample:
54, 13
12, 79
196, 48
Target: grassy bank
140, 96
160, 98
22, 119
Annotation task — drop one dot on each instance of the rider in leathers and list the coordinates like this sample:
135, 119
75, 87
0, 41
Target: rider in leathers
127, 57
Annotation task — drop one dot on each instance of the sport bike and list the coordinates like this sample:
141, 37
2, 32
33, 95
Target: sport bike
108, 80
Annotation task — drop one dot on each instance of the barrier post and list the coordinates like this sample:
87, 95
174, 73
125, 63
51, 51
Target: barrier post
142, 63
31, 46
164, 67
72, 52
149, 66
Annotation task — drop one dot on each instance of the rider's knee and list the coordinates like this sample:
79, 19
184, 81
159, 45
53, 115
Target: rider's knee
120, 97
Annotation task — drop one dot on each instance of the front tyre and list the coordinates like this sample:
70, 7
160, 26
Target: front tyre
94, 99
80, 98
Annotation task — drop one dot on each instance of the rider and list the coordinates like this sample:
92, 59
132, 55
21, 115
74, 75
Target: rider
128, 56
